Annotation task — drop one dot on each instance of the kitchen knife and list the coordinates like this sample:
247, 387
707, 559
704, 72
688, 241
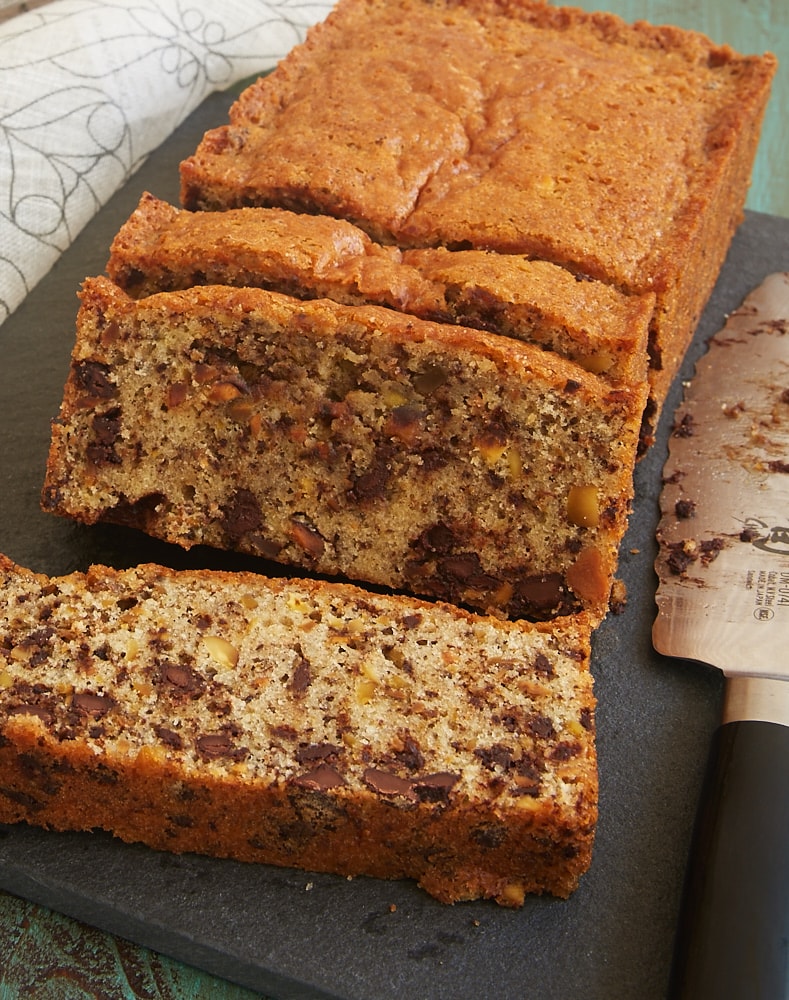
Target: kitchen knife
723, 600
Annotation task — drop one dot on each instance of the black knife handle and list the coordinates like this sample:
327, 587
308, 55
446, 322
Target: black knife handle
733, 935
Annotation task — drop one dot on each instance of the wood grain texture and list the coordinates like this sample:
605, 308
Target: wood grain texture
750, 27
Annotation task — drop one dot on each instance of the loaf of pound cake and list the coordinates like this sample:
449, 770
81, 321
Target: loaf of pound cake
162, 249
348, 440
621, 152
300, 724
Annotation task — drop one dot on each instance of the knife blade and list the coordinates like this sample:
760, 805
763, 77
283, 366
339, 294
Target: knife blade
723, 600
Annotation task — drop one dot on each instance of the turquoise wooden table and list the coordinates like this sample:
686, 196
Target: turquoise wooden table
44, 955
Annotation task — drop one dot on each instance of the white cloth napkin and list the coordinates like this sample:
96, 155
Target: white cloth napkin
88, 88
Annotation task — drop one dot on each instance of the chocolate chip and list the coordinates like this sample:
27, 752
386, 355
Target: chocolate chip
38, 710
410, 756
540, 595
542, 665
709, 549
564, 751
320, 779
527, 775
107, 426
301, 676
429, 379
214, 745
372, 484
264, 546
317, 751
22, 799
40, 771
494, 756
530, 767
433, 458
102, 775
461, 567
685, 427
540, 726
439, 538
489, 837
679, 558
182, 820
685, 508
435, 787
283, 732
241, 515
180, 676
169, 737
386, 783
512, 721
92, 378
106, 429
524, 786
92, 704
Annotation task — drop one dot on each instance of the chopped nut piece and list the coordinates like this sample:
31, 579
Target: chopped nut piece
369, 670
297, 603
587, 576
432, 378
583, 507
365, 690
241, 409
393, 395
513, 894
398, 682
598, 363
176, 394
502, 595
307, 538
223, 392
490, 447
221, 650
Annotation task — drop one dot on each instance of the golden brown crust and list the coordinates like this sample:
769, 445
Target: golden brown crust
348, 440
617, 151
162, 249
301, 724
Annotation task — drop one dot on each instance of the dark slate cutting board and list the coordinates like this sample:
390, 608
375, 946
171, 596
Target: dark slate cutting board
295, 935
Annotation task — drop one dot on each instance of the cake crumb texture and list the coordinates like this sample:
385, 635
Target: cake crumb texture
160, 249
350, 441
299, 723
618, 151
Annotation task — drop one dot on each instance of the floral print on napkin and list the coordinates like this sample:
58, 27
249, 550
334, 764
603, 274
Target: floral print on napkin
88, 88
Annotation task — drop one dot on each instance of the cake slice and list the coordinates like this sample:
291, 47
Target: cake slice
300, 724
348, 440
621, 152
160, 248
